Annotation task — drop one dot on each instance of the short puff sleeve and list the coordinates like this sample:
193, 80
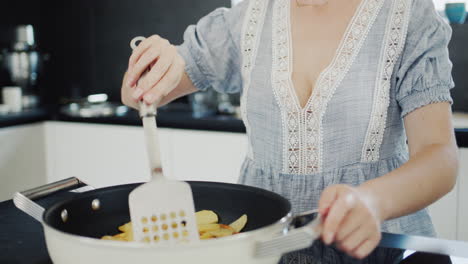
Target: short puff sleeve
211, 50
424, 76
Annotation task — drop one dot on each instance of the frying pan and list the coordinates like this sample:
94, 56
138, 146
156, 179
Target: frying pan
73, 227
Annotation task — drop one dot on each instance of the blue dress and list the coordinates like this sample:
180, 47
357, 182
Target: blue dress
392, 59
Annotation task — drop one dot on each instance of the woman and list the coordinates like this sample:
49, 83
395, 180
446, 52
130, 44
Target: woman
331, 92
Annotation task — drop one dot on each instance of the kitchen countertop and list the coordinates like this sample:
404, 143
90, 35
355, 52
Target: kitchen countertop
24, 117
174, 117
178, 117
21, 236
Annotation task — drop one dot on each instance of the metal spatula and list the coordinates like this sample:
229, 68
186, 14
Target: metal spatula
162, 211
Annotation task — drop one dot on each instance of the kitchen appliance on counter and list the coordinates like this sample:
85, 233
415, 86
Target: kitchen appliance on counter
203, 103
210, 103
23, 63
94, 105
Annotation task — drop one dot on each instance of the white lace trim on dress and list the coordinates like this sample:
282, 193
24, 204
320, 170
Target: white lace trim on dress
394, 40
251, 31
302, 128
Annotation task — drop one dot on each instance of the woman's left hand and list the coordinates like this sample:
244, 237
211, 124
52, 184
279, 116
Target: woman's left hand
351, 220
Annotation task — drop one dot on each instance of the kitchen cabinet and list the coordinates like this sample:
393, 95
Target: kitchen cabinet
100, 155
208, 156
450, 214
444, 214
104, 155
22, 159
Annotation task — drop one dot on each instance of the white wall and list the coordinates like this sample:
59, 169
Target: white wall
439, 4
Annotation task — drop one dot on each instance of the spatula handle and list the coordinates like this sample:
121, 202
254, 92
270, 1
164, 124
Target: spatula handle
148, 117
152, 140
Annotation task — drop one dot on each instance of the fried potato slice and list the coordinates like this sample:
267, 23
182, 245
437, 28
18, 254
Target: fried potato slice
207, 223
206, 236
129, 235
126, 227
221, 232
239, 224
208, 227
206, 217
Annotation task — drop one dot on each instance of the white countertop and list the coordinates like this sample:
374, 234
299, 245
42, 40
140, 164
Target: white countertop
460, 120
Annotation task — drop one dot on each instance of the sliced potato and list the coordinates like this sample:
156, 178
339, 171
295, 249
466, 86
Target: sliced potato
207, 223
129, 235
126, 227
239, 224
227, 227
206, 236
121, 236
206, 217
208, 227
221, 232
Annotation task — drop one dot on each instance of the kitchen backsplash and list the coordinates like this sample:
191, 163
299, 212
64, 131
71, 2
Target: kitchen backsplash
88, 40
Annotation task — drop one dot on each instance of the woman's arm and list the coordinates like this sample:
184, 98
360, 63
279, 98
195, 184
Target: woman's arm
353, 214
431, 171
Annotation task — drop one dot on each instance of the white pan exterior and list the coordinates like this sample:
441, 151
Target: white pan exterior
71, 249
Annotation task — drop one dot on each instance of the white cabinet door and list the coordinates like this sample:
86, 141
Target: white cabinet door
450, 214
22, 159
444, 215
100, 155
208, 156
463, 196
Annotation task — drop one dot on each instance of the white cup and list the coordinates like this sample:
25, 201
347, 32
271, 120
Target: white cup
12, 98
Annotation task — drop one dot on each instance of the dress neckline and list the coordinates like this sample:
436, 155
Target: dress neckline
302, 127
338, 52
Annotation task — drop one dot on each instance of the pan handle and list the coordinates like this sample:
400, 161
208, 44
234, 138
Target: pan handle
300, 233
24, 200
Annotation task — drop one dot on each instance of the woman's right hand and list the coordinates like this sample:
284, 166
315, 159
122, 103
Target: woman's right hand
166, 68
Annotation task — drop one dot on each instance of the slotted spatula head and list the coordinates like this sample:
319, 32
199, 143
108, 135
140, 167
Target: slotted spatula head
162, 211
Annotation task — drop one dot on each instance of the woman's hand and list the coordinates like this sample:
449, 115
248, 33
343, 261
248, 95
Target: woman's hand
166, 68
351, 220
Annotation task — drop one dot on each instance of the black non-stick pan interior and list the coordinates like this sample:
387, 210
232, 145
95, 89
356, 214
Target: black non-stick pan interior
229, 201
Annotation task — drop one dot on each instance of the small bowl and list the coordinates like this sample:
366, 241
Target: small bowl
456, 12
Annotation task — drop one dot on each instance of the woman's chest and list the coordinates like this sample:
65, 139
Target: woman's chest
316, 35
306, 72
